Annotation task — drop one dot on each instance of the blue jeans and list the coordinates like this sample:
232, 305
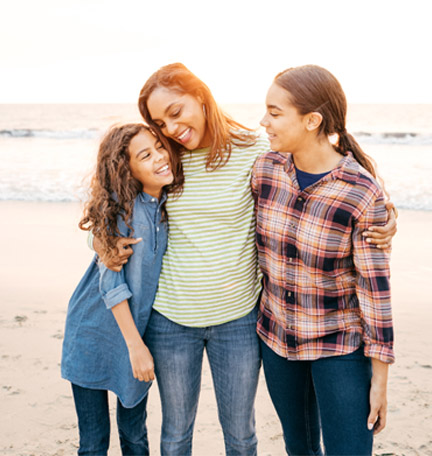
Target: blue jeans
328, 395
94, 424
234, 357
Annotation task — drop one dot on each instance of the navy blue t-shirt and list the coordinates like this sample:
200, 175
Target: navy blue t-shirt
306, 179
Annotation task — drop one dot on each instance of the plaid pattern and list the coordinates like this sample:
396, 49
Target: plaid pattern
325, 289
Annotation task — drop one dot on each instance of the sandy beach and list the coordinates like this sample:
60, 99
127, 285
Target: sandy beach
43, 257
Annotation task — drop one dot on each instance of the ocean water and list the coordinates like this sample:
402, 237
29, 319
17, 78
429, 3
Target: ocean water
48, 152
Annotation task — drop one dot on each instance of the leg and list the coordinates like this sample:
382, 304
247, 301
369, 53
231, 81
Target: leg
132, 428
177, 352
234, 357
293, 396
93, 420
342, 386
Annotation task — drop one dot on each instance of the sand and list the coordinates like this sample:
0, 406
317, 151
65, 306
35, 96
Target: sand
43, 256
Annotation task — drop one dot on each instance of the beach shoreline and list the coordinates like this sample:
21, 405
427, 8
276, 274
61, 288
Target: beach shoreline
44, 255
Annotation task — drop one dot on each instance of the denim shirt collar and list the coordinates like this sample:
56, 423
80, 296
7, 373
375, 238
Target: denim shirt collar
146, 198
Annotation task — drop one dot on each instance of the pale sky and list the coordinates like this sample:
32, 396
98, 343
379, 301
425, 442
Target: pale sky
59, 51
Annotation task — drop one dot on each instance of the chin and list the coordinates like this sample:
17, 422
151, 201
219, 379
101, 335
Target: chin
274, 147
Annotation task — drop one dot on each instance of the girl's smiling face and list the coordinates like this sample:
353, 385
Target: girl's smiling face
180, 116
150, 163
284, 125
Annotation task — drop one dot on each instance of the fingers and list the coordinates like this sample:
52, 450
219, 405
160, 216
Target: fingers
372, 419
391, 208
144, 375
377, 420
126, 242
124, 249
382, 236
377, 239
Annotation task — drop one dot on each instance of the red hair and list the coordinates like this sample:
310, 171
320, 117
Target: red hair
223, 131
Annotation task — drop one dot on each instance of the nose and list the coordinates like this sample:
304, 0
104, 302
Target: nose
160, 154
264, 121
170, 128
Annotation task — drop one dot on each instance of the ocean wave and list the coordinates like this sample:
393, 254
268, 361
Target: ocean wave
409, 138
50, 134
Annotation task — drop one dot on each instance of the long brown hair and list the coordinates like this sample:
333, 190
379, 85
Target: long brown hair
314, 89
223, 130
113, 189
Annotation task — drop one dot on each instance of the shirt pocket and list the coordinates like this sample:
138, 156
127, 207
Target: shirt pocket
271, 227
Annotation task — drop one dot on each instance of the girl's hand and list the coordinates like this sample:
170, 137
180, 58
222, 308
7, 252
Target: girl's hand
116, 261
378, 397
382, 236
141, 361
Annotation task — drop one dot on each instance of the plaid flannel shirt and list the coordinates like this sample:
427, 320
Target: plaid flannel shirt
325, 289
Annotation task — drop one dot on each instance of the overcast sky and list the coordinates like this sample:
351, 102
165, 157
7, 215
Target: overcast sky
103, 50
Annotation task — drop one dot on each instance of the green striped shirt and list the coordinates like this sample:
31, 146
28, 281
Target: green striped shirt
210, 271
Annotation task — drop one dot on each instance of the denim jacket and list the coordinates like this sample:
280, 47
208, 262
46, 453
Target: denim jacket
95, 354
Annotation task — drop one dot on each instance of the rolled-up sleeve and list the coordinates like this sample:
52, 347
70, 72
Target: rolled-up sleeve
112, 286
373, 285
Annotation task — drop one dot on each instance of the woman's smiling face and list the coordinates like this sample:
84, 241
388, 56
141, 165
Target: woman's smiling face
180, 116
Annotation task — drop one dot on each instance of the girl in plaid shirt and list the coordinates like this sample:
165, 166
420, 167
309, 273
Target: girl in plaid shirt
325, 319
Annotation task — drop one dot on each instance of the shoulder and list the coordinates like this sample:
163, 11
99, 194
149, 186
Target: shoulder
365, 192
361, 178
251, 141
267, 160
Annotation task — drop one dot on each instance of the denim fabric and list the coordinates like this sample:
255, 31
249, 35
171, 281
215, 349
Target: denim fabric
94, 352
234, 357
94, 424
329, 394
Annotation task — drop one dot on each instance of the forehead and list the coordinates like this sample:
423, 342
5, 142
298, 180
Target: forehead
141, 140
277, 96
163, 97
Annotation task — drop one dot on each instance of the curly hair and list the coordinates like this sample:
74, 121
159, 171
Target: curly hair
223, 130
113, 189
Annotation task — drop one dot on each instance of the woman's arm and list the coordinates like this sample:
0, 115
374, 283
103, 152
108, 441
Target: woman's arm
378, 396
139, 355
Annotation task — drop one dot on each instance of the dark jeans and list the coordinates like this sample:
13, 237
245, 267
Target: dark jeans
328, 395
94, 424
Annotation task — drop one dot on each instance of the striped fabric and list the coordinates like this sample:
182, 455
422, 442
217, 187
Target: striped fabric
326, 290
210, 273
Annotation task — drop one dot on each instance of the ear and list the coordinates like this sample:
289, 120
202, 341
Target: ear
313, 121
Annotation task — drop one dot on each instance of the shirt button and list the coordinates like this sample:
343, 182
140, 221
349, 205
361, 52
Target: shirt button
289, 293
290, 260
153, 200
157, 229
299, 198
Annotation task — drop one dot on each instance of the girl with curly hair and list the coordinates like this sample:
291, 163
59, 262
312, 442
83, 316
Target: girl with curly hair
103, 347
